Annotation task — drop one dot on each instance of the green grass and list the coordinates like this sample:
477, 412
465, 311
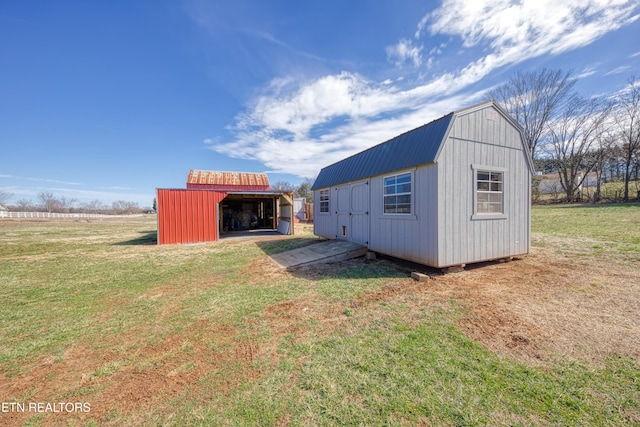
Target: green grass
614, 228
392, 373
134, 307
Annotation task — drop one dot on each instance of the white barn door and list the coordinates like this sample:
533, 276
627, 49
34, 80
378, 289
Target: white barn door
343, 230
359, 213
353, 212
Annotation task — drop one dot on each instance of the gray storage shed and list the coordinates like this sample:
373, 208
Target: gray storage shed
449, 193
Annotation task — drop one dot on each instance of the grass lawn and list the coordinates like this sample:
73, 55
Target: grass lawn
214, 334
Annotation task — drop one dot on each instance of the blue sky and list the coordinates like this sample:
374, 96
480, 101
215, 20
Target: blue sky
110, 100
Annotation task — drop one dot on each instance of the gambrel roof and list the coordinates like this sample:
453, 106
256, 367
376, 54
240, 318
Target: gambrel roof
415, 147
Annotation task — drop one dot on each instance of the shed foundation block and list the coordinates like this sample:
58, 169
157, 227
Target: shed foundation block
420, 277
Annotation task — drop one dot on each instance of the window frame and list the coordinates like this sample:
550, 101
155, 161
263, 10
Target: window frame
478, 169
322, 201
396, 185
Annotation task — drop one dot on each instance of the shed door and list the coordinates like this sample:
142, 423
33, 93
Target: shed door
359, 213
352, 212
342, 212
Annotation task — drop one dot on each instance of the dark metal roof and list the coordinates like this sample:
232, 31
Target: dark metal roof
415, 147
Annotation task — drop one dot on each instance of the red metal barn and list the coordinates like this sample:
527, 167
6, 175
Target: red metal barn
215, 204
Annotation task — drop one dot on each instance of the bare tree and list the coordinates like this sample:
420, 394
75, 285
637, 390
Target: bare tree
627, 119
95, 206
573, 135
123, 208
5, 196
304, 190
24, 205
533, 98
66, 204
49, 202
600, 156
283, 186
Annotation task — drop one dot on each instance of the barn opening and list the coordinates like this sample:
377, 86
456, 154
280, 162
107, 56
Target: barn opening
219, 204
242, 212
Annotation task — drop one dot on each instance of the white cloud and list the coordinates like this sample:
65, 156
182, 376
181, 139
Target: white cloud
34, 179
533, 27
286, 131
404, 51
618, 70
589, 71
298, 127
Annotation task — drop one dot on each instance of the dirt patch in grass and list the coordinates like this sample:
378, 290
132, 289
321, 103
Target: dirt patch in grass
539, 309
134, 377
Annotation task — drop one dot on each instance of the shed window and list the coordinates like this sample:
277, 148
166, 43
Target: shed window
397, 194
489, 194
324, 201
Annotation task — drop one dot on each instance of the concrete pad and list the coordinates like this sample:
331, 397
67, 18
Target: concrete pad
322, 252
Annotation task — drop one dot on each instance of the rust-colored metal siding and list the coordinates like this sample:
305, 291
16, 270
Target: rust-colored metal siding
188, 216
229, 181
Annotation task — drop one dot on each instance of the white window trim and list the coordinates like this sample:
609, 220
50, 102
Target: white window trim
328, 211
485, 216
409, 215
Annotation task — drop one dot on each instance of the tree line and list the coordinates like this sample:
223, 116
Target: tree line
578, 138
48, 202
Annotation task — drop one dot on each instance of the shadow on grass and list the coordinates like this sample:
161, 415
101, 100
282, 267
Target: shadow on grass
383, 266
354, 268
272, 247
602, 205
147, 238
607, 205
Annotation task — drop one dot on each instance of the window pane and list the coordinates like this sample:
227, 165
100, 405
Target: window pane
489, 192
397, 194
495, 207
406, 199
404, 188
404, 178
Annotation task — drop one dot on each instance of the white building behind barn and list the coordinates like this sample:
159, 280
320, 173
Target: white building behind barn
452, 192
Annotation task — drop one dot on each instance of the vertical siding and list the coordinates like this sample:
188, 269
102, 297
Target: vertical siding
475, 139
411, 237
359, 212
187, 216
324, 224
348, 207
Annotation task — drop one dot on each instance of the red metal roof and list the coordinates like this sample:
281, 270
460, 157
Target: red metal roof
215, 180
